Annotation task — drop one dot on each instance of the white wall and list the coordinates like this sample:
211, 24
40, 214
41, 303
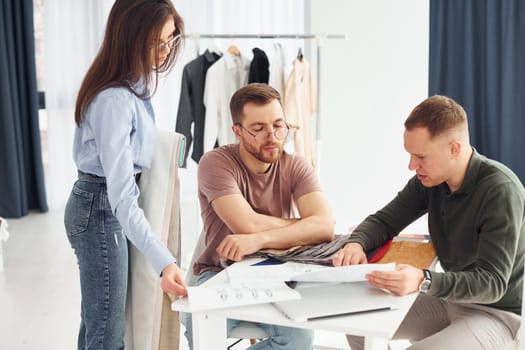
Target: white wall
369, 84
73, 31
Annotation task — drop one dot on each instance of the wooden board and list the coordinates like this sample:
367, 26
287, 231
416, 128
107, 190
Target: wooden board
417, 254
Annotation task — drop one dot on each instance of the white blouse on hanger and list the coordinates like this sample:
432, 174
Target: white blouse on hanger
277, 67
224, 77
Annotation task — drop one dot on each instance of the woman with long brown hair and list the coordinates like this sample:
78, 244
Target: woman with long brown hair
114, 140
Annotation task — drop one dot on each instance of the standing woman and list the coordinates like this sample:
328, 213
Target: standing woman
114, 140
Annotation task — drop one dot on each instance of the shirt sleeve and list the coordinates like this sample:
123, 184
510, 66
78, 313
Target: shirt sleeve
304, 178
111, 119
216, 176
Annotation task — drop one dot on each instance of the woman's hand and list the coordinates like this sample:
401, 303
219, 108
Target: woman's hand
172, 281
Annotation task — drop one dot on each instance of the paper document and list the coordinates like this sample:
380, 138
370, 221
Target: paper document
227, 295
267, 273
350, 273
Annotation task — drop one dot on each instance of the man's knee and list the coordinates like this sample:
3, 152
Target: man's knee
291, 338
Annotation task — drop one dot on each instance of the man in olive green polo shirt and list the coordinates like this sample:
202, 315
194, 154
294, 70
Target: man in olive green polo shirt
476, 218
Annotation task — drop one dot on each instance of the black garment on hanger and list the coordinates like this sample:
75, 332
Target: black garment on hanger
259, 67
191, 108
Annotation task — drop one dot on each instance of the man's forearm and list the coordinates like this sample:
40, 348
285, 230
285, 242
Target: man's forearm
305, 231
260, 223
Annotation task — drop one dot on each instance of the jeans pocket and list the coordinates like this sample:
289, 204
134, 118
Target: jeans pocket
78, 211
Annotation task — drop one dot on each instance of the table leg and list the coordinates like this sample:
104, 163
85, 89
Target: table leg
209, 331
373, 343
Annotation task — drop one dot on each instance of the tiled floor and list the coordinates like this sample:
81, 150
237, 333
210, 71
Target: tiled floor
40, 294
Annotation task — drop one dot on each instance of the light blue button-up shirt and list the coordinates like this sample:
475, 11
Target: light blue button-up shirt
116, 139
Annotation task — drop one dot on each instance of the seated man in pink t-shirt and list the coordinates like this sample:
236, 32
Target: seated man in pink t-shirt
249, 193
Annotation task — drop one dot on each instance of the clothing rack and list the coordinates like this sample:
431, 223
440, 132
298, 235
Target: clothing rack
266, 36
319, 38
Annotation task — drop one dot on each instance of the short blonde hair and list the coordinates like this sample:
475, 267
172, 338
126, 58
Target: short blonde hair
438, 114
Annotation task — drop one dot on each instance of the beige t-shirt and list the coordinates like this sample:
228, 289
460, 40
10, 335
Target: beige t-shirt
222, 172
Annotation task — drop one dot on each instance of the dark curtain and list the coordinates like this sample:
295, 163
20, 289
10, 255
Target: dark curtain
477, 57
21, 170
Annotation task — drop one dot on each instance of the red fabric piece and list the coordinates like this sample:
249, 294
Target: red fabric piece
380, 252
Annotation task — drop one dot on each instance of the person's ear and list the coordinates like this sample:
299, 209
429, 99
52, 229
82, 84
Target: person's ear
236, 130
455, 148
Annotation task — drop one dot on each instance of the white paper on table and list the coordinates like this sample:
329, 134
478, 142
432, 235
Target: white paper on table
349, 273
269, 273
228, 295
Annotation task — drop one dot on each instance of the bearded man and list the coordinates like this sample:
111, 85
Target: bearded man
250, 193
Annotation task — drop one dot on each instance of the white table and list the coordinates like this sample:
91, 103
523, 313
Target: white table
209, 327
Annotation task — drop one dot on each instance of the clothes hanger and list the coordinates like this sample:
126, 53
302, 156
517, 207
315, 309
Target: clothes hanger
234, 50
300, 54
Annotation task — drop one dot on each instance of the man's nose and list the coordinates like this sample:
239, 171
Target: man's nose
412, 163
271, 135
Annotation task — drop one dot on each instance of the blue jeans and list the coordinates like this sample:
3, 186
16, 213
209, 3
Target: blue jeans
279, 337
102, 255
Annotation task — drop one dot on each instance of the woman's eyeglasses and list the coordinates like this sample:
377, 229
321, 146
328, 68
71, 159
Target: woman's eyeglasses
173, 42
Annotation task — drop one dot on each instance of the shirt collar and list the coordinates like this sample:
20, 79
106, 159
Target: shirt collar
469, 182
210, 56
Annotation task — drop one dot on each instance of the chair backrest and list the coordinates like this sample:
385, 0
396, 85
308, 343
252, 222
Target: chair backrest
191, 278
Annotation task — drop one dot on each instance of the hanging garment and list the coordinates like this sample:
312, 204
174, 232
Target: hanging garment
300, 100
191, 106
277, 68
259, 67
150, 323
226, 76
